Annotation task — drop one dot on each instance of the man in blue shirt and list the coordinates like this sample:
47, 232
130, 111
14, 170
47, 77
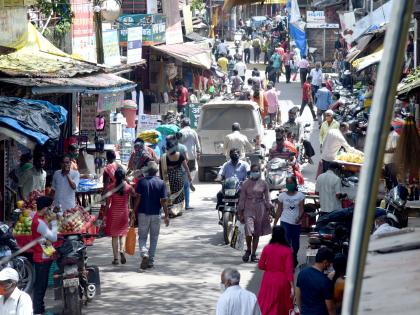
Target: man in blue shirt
153, 197
323, 101
231, 168
314, 292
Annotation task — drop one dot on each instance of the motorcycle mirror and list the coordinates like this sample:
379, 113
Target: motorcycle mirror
263, 146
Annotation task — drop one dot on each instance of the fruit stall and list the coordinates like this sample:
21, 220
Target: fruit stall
351, 162
72, 221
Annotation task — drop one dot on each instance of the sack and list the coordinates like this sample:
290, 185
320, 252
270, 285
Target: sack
238, 237
130, 243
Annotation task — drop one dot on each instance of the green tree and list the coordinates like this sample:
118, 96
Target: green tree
198, 5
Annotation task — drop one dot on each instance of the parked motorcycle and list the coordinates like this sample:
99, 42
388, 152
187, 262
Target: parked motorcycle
76, 282
21, 264
228, 209
395, 202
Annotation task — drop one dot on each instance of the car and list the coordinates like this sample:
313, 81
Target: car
215, 123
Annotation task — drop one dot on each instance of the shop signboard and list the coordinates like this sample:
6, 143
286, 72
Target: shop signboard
108, 102
134, 40
147, 122
111, 48
82, 30
153, 28
193, 113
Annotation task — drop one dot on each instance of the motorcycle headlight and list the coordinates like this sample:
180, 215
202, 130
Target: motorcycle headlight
230, 192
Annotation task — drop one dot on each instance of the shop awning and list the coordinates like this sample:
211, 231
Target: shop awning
190, 53
101, 83
410, 83
24, 118
369, 60
355, 51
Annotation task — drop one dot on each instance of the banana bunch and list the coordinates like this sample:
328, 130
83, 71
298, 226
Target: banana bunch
351, 157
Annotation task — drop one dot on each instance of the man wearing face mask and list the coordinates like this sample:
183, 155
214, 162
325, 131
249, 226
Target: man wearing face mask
235, 300
13, 300
231, 168
237, 140
314, 292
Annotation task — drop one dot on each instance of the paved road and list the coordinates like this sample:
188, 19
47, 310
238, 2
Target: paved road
189, 259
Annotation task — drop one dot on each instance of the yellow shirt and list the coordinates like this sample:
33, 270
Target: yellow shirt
223, 63
325, 128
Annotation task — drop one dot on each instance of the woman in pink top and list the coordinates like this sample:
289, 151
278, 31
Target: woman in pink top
273, 104
276, 291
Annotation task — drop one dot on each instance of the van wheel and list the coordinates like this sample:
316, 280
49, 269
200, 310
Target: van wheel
201, 174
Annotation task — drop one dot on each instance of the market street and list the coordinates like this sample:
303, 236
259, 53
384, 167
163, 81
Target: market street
190, 255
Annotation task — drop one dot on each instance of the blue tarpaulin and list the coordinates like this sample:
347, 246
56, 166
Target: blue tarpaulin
39, 120
299, 38
296, 26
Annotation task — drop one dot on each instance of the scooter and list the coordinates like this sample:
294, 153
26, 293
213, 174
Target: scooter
228, 209
277, 170
76, 282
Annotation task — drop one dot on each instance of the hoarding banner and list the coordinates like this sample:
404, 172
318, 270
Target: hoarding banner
82, 31
111, 48
134, 43
153, 28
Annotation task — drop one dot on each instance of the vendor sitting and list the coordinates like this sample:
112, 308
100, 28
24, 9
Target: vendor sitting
42, 262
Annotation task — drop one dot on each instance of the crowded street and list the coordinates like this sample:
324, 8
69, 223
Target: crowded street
236, 157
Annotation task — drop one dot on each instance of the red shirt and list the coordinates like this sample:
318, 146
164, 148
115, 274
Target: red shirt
38, 253
183, 96
307, 93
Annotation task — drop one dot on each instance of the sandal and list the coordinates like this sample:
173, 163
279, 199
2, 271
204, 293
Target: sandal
254, 258
245, 257
115, 262
123, 259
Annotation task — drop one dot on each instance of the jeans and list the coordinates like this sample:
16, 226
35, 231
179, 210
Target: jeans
40, 285
293, 236
315, 89
303, 72
148, 223
247, 55
257, 52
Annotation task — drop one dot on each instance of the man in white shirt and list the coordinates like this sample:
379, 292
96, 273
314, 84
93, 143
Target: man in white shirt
390, 147
303, 66
64, 185
328, 187
240, 66
237, 140
316, 75
12, 300
333, 142
235, 300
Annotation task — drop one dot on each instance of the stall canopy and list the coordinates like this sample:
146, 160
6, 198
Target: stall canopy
37, 62
410, 83
30, 121
190, 53
369, 60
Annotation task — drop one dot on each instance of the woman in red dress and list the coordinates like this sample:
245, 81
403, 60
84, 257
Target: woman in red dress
118, 214
276, 291
109, 170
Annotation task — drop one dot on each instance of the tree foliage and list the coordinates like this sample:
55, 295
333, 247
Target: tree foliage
60, 11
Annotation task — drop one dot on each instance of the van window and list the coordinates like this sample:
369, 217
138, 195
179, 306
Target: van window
222, 118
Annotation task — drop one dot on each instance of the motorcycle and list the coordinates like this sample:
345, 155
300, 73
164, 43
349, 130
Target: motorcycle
21, 264
228, 209
276, 172
301, 156
76, 282
395, 202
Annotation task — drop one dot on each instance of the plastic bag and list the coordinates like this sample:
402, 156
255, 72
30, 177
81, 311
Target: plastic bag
130, 243
238, 237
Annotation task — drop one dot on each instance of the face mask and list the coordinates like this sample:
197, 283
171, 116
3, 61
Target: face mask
255, 175
234, 158
290, 187
292, 119
222, 287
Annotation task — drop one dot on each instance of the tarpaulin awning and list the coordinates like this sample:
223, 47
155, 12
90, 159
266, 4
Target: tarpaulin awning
39, 58
38, 120
101, 83
367, 61
358, 49
190, 53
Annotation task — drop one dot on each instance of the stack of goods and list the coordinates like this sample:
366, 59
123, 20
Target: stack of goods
150, 136
24, 224
74, 220
357, 158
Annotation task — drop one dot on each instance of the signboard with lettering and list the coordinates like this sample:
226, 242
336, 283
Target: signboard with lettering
134, 40
111, 48
153, 28
146, 122
82, 31
193, 113
316, 19
108, 102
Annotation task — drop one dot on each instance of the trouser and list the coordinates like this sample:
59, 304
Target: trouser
293, 236
243, 78
272, 119
390, 176
288, 73
303, 72
315, 89
257, 52
309, 150
148, 224
42, 271
219, 198
265, 57
247, 55
186, 191
311, 107
320, 113
181, 109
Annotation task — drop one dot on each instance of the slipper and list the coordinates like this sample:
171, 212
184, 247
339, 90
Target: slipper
144, 262
122, 258
115, 262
